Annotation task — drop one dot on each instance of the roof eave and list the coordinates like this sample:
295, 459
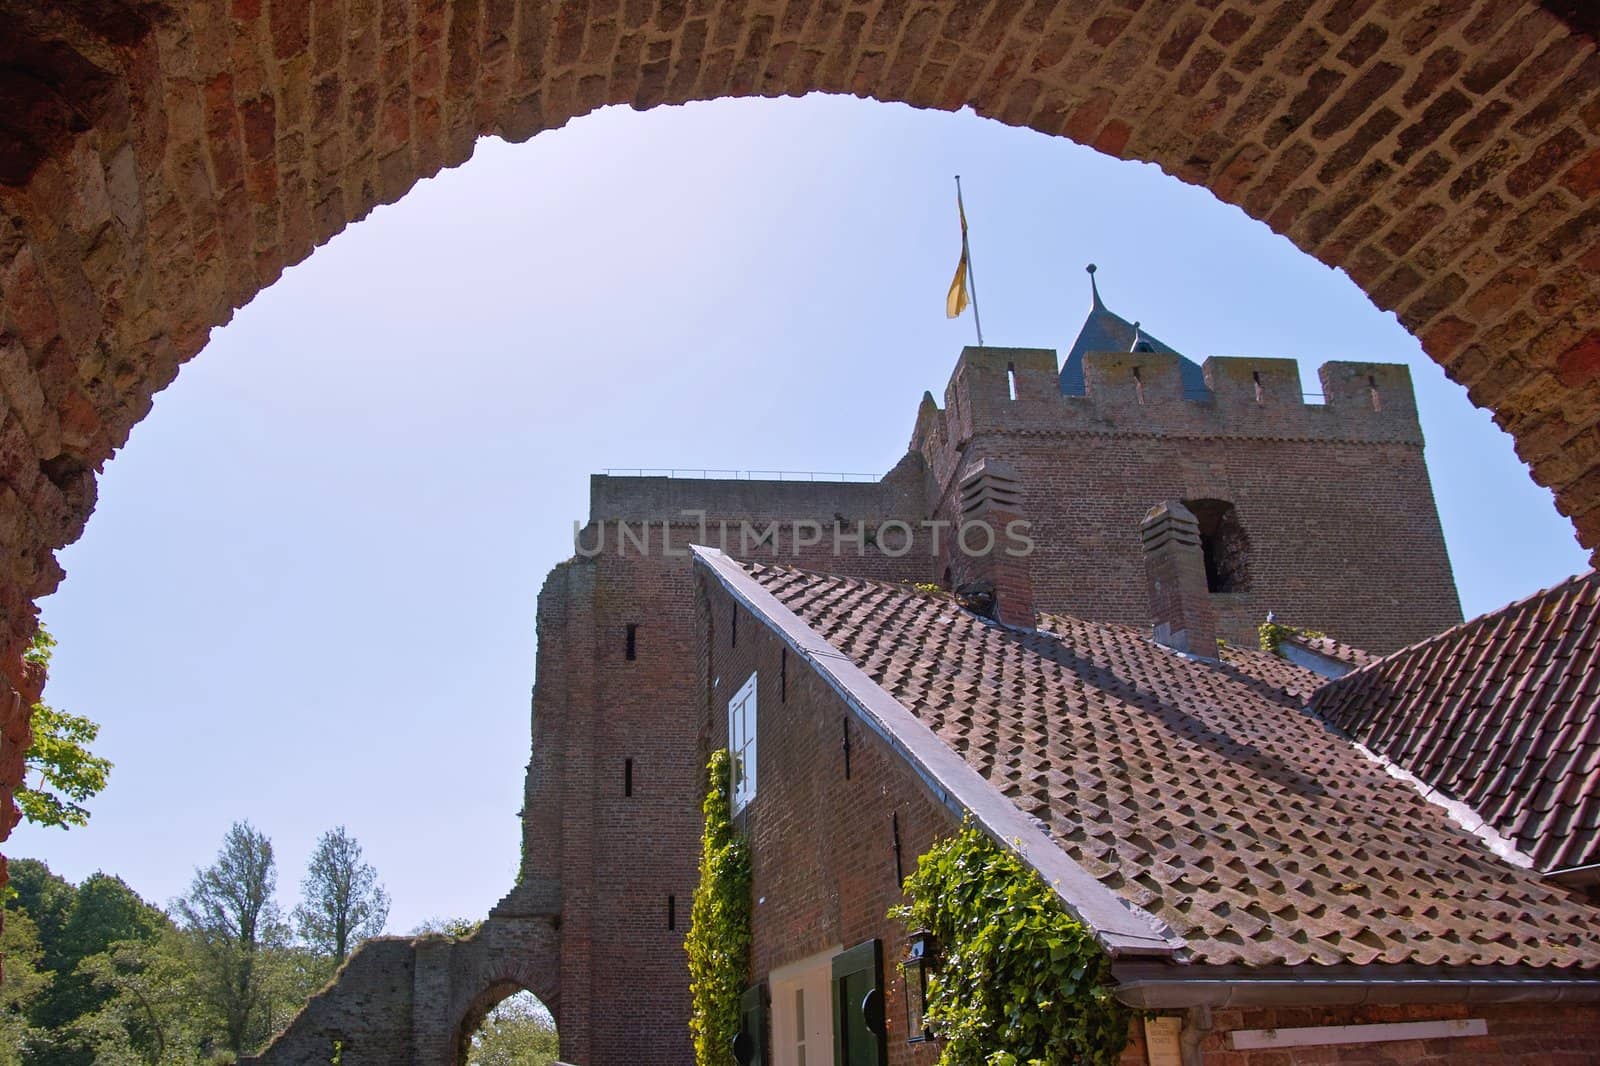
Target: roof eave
1577, 876
1165, 986
1121, 929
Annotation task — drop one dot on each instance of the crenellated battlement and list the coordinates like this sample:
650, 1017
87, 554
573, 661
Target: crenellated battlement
1016, 390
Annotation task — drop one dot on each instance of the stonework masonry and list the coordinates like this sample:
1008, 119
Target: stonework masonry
1334, 498
162, 162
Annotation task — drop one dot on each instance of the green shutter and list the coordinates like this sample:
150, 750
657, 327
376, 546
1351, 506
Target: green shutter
858, 975
753, 1021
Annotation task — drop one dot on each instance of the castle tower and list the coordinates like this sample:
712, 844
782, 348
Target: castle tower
1318, 507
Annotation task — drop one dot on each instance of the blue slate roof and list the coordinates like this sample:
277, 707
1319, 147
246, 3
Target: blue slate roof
1106, 331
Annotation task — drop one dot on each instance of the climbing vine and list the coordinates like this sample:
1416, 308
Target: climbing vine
1018, 982
719, 925
1273, 634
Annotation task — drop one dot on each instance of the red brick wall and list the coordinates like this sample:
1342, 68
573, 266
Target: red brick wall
1519, 1035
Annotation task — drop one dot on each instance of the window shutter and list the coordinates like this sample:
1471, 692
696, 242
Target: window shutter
859, 1037
753, 1026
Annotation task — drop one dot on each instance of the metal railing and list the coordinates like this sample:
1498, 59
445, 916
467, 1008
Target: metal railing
707, 473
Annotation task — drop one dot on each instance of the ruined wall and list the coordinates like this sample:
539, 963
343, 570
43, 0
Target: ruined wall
1334, 497
611, 815
400, 1001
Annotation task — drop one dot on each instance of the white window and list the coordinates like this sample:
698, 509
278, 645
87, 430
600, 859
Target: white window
742, 743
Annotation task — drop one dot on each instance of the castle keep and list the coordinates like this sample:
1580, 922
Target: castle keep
1318, 511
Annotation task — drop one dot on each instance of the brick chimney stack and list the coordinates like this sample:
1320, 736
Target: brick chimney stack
1175, 568
989, 549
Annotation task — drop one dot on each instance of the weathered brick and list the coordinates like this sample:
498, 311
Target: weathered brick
1439, 116
1355, 101
1544, 163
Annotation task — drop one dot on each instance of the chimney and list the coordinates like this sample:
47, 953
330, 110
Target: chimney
1175, 568
990, 546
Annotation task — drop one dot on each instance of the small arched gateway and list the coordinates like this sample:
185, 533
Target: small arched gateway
417, 1000
489, 1028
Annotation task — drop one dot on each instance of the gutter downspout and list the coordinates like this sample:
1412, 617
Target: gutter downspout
1196, 1024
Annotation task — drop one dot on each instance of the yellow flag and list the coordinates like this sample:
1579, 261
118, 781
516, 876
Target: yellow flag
956, 301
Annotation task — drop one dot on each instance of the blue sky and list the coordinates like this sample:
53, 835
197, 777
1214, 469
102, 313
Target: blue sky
306, 597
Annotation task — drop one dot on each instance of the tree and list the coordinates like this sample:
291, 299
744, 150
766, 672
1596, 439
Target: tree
23, 982
231, 913
146, 1015
105, 911
342, 903
47, 897
72, 923
69, 775
460, 928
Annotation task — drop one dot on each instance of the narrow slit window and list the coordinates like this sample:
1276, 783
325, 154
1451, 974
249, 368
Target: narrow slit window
627, 777
1011, 379
733, 628
783, 677
899, 863
672, 912
632, 649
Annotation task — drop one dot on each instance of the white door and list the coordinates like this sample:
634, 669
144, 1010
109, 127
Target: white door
802, 1011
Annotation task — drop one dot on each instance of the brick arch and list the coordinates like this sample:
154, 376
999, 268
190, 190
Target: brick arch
162, 161
494, 991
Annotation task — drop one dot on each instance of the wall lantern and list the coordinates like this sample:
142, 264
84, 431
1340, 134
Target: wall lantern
915, 967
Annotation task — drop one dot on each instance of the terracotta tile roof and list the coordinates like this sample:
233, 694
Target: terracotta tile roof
1501, 713
1201, 792
1334, 649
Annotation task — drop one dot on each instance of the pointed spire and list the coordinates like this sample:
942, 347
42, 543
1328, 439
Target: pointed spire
1094, 289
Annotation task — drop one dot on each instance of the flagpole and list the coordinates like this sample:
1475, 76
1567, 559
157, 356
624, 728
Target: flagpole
972, 276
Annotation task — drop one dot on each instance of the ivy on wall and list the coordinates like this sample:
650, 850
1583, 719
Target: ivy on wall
1018, 981
718, 942
1273, 634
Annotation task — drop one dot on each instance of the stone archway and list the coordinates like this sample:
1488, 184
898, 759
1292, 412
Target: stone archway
162, 161
413, 1000
477, 1011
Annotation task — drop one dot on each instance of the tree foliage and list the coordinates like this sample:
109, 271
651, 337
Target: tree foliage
145, 1016
1020, 982
718, 943
96, 976
233, 919
456, 927
342, 903
69, 775
22, 984
46, 897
